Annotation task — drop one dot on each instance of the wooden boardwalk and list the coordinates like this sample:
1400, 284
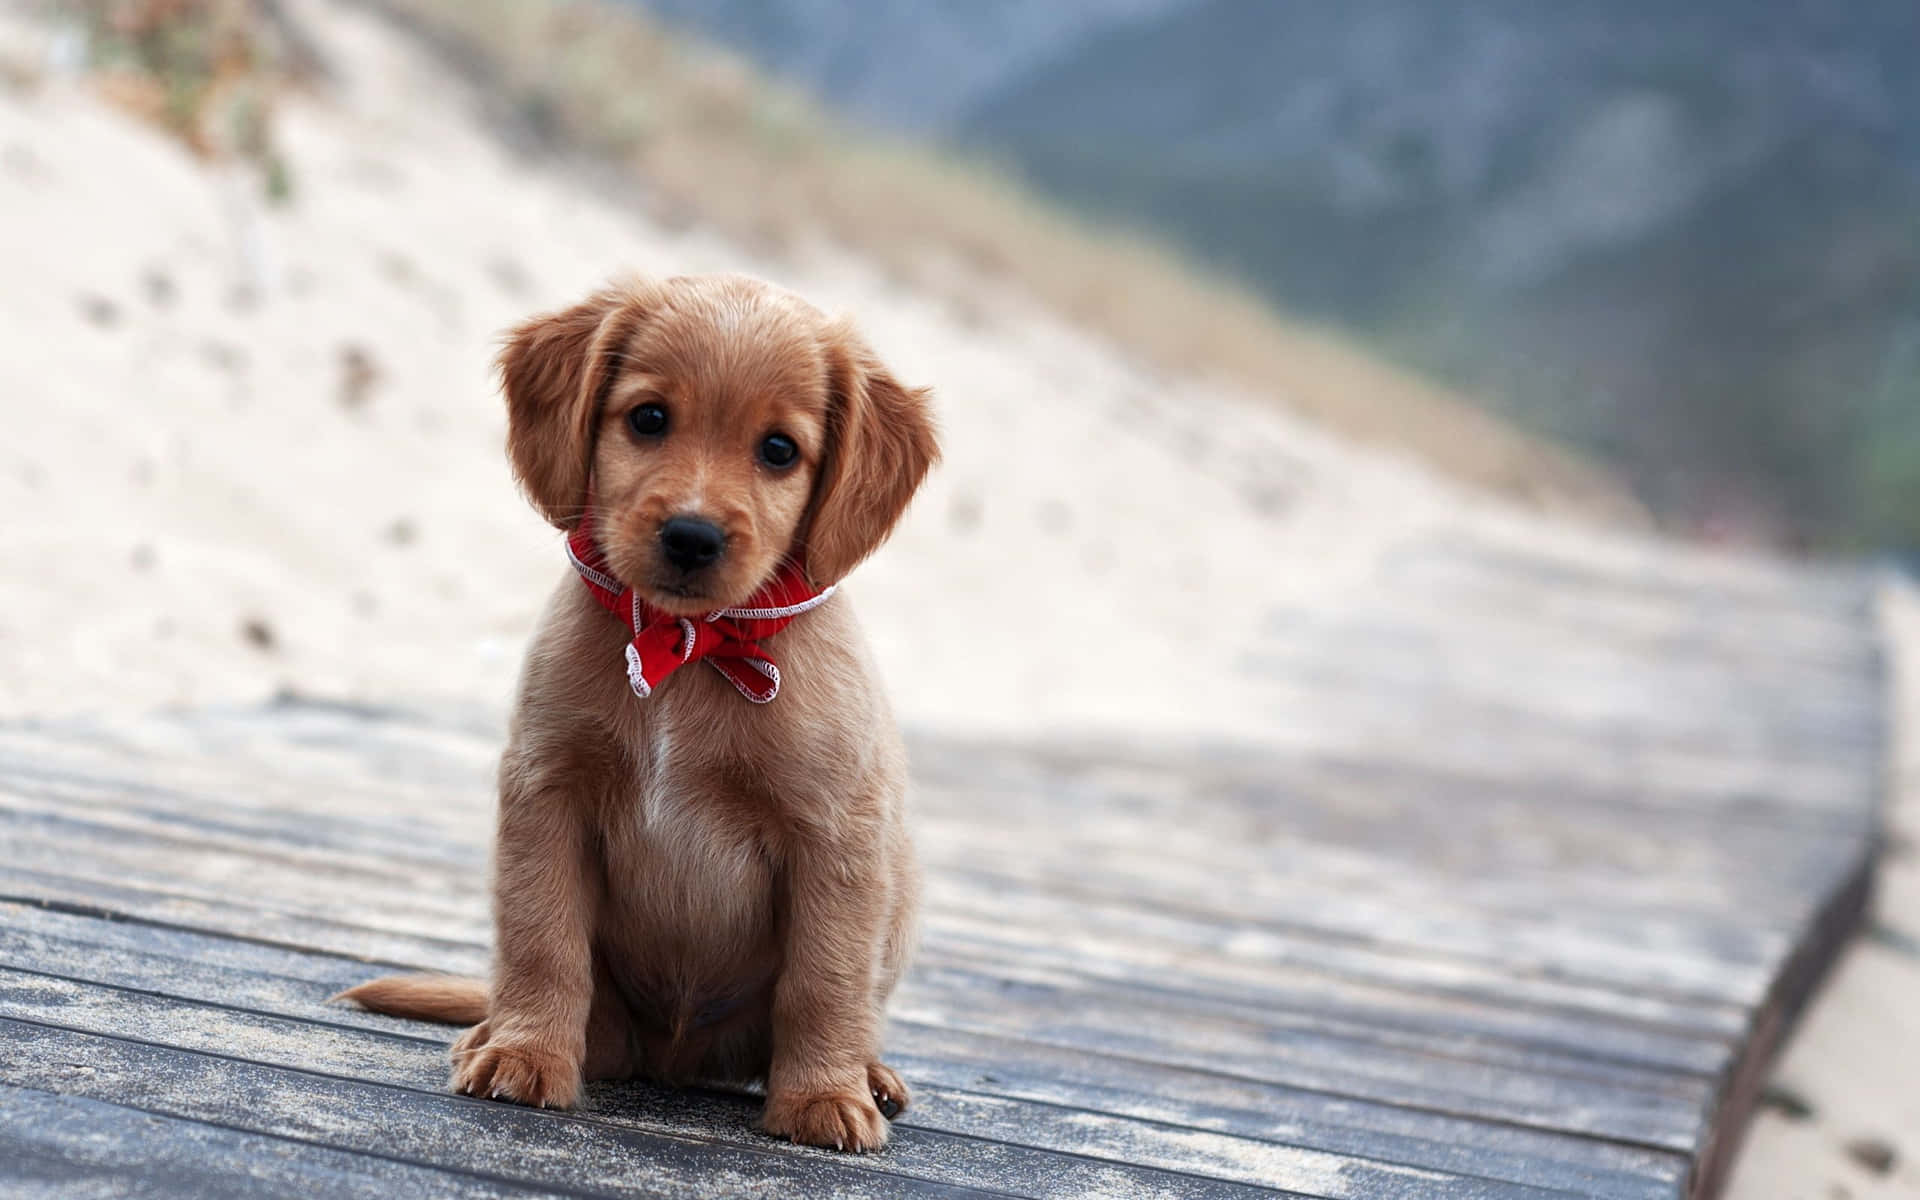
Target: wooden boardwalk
1545, 856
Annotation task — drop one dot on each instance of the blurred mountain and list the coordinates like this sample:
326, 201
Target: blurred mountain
1685, 236
919, 67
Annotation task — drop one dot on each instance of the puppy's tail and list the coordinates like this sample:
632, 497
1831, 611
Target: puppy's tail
448, 999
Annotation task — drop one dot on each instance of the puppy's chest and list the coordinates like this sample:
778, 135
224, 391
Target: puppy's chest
690, 797
699, 817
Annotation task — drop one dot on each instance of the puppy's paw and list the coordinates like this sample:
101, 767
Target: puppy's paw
834, 1120
508, 1069
890, 1094
471, 1040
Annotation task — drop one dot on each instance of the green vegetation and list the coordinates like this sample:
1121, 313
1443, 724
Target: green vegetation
1890, 480
207, 71
1682, 238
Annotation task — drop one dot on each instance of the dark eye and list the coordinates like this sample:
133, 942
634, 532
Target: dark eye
778, 450
649, 420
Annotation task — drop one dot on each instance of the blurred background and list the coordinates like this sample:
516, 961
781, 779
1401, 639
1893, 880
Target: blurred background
1684, 239
1678, 240
1225, 303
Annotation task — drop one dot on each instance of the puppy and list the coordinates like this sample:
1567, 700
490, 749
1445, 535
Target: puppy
702, 871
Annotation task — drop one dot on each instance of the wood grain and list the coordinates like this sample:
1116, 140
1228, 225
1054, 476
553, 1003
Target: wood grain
1547, 850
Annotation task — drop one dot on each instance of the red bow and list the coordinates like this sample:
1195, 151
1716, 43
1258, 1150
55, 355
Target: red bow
728, 638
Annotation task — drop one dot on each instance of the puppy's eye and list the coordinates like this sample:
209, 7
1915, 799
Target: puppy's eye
649, 420
778, 450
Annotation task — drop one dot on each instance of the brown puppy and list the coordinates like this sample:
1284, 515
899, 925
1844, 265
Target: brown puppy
690, 886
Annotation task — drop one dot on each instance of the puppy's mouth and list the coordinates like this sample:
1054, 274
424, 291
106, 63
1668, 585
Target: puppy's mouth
680, 597
679, 590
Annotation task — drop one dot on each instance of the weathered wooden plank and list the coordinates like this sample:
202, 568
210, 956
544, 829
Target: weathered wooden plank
1436, 1068
1593, 691
1660, 1111
1687, 961
1269, 952
1331, 711
1525, 850
956, 1137
44, 841
1231, 939
66, 1147
542, 1150
1245, 798
1506, 904
1663, 656
1747, 872
84, 892
244, 997
1713, 898
471, 930
295, 983
1419, 828
387, 899
1593, 1098
213, 817
1311, 787
1275, 776
1306, 1081
1356, 883
1677, 952
1429, 737
1261, 792
371, 875
224, 874
1511, 1036
1394, 1132
1245, 1031
1409, 1012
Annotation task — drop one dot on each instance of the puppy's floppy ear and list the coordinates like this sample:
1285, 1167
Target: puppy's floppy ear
556, 369
880, 444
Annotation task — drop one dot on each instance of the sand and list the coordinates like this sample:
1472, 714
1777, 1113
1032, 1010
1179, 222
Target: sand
251, 448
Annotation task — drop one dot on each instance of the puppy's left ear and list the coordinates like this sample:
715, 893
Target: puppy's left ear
881, 443
555, 370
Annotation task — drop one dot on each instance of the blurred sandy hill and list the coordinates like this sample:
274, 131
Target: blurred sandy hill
254, 441
257, 271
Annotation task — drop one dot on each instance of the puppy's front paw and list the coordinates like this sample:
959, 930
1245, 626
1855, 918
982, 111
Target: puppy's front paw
516, 1070
834, 1120
889, 1091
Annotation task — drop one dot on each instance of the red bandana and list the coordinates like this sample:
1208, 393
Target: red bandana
728, 638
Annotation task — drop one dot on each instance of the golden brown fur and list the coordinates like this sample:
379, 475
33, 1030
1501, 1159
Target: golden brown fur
692, 886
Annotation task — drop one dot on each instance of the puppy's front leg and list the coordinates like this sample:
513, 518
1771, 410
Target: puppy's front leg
826, 1003
531, 1046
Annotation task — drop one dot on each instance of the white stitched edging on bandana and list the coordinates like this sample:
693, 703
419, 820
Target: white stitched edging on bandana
765, 668
635, 675
763, 614
599, 577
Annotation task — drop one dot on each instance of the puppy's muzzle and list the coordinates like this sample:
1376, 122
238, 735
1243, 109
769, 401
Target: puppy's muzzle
692, 543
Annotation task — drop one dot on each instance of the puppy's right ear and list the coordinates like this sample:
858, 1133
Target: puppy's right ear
556, 369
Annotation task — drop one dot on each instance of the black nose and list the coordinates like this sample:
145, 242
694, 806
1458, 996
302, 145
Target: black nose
691, 542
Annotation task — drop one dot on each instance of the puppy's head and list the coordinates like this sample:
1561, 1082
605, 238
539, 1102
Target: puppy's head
719, 427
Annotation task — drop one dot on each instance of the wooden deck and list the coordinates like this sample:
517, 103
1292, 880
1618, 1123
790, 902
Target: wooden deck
1545, 856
